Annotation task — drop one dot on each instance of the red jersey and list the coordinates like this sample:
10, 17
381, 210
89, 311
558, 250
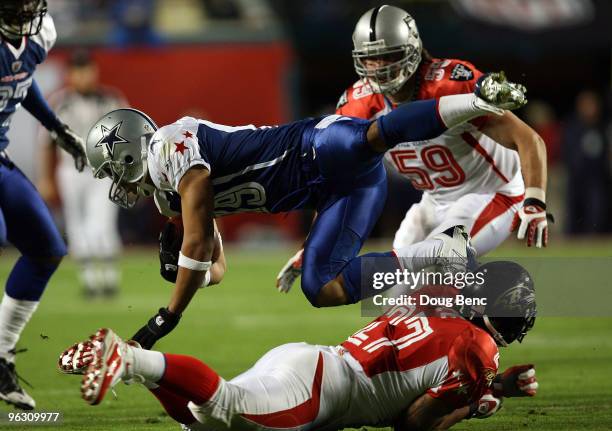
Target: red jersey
407, 354
462, 160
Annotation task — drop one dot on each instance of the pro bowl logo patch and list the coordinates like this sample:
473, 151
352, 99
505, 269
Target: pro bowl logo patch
16, 66
489, 375
461, 73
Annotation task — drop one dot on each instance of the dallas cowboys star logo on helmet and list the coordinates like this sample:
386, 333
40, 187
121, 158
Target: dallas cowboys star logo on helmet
111, 137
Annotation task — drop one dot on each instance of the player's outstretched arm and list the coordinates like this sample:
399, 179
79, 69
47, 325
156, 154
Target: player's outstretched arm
195, 189
61, 134
426, 413
511, 132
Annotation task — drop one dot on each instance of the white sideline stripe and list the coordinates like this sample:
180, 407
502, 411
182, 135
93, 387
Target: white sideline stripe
227, 178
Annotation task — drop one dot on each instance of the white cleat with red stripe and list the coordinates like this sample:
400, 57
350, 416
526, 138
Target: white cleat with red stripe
76, 358
112, 361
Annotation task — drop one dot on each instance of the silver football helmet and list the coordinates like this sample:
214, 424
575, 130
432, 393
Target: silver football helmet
390, 34
117, 148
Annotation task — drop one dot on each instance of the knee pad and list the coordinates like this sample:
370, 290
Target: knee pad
311, 286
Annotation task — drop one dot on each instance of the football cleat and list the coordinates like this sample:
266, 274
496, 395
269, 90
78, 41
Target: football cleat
457, 253
290, 272
76, 358
495, 93
10, 390
112, 361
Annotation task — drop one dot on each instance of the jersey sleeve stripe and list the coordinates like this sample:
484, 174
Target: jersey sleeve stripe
228, 178
473, 142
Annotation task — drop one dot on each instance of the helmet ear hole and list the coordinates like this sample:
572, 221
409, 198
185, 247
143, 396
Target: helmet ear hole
128, 159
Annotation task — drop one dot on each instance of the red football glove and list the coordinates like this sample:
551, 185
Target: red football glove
486, 406
517, 381
532, 221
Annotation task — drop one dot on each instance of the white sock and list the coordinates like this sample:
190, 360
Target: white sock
459, 108
90, 275
421, 255
14, 315
149, 364
109, 274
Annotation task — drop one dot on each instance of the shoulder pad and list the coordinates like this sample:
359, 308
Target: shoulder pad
47, 35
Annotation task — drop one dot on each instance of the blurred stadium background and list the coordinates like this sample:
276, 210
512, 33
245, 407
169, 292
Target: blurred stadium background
272, 61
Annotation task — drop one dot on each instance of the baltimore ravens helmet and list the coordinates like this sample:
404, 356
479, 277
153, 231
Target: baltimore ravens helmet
511, 306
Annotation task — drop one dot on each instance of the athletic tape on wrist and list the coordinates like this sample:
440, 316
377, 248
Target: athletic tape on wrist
535, 192
194, 265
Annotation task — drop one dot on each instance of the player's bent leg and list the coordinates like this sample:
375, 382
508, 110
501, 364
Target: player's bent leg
493, 224
294, 386
416, 225
342, 150
488, 218
343, 224
31, 229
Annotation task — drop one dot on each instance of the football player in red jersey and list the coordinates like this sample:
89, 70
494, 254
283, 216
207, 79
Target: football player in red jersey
488, 175
414, 368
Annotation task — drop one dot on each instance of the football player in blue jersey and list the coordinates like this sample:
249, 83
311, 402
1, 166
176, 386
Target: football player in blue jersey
332, 164
27, 34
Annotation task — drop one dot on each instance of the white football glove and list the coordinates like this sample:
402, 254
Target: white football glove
531, 220
516, 381
290, 272
486, 406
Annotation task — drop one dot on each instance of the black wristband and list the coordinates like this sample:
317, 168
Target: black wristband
473, 410
534, 201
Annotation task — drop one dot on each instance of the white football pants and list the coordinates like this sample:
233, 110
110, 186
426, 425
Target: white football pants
488, 218
295, 386
91, 219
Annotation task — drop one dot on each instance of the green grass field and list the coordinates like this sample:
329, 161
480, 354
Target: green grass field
231, 325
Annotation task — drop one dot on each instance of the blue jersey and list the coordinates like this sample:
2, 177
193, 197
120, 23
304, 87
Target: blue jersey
17, 66
266, 169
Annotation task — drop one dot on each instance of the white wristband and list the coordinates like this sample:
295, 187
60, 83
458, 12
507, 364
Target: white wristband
206, 279
535, 192
194, 265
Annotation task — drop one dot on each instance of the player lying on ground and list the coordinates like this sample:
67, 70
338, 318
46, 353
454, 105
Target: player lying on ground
415, 368
332, 164
27, 33
470, 175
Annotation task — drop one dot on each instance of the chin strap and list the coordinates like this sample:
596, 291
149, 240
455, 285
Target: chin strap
496, 335
144, 188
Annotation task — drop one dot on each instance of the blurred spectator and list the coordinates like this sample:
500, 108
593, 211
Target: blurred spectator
133, 21
90, 218
541, 117
586, 152
221, 9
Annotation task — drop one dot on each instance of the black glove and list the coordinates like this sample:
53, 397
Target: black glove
170, 240
157, 327
72, 143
